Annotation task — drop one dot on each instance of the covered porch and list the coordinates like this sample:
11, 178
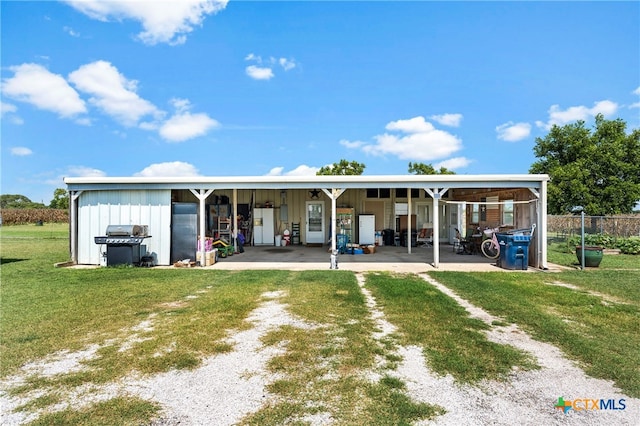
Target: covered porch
385, 258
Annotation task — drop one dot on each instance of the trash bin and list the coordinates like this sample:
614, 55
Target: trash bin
388, 235
516, 255
503, 241
341, 243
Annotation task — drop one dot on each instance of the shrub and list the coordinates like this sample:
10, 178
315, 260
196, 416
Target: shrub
602, 240
629, 245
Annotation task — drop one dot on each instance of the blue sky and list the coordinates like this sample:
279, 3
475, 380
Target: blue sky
215, 88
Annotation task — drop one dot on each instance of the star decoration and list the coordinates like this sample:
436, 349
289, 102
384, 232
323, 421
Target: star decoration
314, 193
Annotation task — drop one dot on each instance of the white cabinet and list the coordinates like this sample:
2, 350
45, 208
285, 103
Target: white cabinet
263, 227
367, 229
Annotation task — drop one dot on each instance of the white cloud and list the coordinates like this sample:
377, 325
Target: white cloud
163, 22
276, 171
71, 32
112, 92
351, 144
169, 169
34, 84
511, 132
259, 73
452, 120
412, 125
561, 117
453, 163
5, 108
7, 112
287, 64
636, 104
180, 105
263, 68
301, 170
82, 171
84, 121
183, 125
21, 151
420, 141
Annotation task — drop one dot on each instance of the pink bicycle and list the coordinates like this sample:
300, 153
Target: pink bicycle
491, 247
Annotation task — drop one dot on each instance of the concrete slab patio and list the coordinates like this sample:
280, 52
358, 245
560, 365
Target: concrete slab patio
386, 258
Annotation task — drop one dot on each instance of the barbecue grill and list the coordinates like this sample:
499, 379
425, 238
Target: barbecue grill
124, 244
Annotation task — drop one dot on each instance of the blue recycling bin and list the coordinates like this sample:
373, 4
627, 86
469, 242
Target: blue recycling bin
503, 241
516, 252
341, 243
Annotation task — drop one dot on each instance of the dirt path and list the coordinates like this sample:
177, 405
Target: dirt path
528, 397
228, 386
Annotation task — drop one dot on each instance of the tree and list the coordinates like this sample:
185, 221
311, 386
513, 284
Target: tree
428, 169
598, 170
17, 201
343, 168
60, 199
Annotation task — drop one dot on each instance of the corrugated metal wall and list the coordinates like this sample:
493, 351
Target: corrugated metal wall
98, 209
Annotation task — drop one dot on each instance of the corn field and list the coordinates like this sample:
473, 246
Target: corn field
27, 216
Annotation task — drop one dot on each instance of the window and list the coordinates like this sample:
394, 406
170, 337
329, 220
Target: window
378, 192
401, 192
507, 213
475, 213
401, 208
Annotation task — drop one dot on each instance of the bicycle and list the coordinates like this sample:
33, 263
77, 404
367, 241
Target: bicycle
490, 246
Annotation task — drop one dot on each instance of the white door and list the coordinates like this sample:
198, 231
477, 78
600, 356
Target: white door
366, 236
315, 222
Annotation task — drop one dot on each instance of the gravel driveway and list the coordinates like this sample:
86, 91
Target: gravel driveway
227, 387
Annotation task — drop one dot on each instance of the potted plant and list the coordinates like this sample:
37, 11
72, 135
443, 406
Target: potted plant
592, 255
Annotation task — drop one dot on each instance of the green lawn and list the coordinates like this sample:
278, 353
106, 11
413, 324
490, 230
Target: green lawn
45, 310
602, 333
560, 253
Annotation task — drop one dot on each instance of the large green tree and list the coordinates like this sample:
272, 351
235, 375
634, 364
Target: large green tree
342, 168
428, 169
60, 199
597, 169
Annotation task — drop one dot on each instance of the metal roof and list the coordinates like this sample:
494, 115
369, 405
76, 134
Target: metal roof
307, 182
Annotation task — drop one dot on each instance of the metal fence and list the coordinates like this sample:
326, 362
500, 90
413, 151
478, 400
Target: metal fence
564, 227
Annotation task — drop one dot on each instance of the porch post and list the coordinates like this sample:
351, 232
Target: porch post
73, 224
436, 194
334, 193
542, 224
409, 220
436, 229
202, 195
235, 217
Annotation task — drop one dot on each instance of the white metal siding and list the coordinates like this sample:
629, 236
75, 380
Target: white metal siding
98, 209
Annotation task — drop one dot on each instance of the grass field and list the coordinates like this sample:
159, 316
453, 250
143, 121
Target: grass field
45, 310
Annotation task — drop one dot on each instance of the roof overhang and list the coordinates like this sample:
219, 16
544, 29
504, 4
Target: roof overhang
306, 182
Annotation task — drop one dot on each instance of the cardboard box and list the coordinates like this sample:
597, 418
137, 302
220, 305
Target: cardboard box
369, 249
209, 257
